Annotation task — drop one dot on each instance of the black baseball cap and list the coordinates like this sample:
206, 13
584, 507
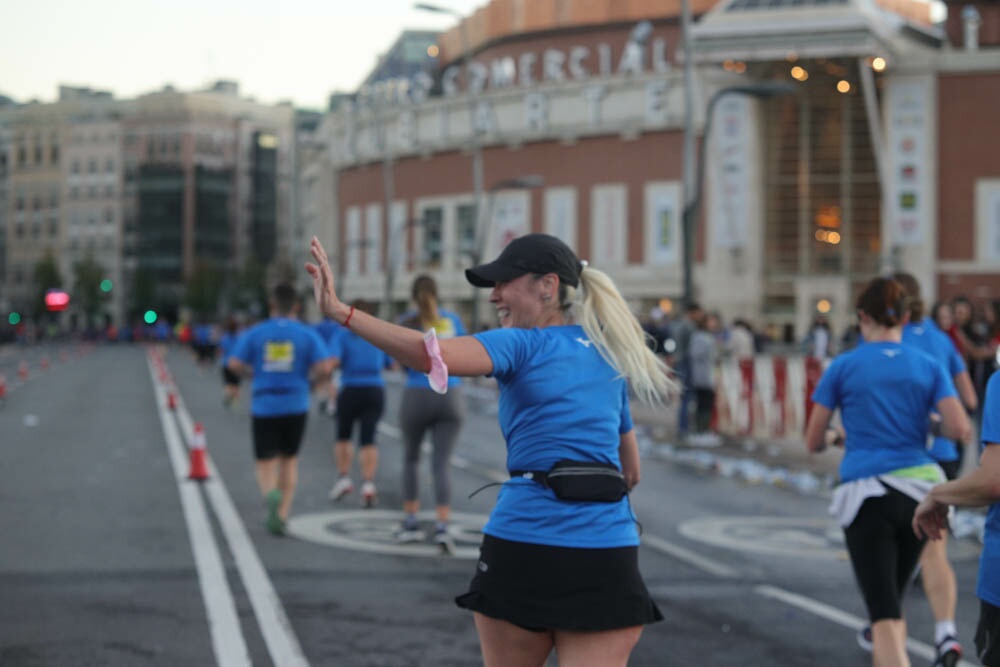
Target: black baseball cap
531, 253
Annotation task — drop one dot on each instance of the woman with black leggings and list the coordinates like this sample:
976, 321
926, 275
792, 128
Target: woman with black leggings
885, 391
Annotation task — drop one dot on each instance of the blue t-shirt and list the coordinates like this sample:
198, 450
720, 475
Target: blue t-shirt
988, 587
927, 337
204, 334
449, 325
361, 363
326, 328
885, 392
559, 399
281, 351
226, 344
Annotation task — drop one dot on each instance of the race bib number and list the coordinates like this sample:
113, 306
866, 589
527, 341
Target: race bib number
279, 356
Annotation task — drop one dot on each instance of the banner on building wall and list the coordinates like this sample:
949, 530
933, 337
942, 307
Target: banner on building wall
352, 251
910, 104
608, 223
560, 214
373, 239
663, 217
729, 166
510, 219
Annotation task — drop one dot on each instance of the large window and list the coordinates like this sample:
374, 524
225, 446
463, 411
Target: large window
466, 235
432, 247
822, 191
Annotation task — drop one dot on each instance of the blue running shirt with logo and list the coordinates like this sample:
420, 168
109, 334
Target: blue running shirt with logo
449, 325
988, 587
927, 337
281, 351
361, 363
885, 392
559, 399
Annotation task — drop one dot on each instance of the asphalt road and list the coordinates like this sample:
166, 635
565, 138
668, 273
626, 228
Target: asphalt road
111, 556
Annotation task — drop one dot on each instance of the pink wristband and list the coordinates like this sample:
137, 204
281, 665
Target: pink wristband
438, 377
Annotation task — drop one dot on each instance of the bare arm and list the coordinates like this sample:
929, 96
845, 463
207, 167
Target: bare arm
979, 487
319, 373
628, 453
464, 355
954, 422
237, 366
816, 428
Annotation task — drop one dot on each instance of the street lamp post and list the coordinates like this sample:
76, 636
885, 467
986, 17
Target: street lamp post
477, 152
483, 230
689, 219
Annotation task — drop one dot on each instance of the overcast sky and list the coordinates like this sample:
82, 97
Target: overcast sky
300, 50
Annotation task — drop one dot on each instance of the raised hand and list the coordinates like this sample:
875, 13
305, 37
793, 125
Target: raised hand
324, 289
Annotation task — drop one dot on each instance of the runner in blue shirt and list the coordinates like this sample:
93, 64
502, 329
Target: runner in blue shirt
423, 409
327, 329
230, 380
361, 399
559, 560
980, 487
885, 392
935, 571
286, 358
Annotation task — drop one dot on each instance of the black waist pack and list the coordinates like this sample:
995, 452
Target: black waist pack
580, 480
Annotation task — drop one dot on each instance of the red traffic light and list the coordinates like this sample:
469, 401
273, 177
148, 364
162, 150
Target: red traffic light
56, 300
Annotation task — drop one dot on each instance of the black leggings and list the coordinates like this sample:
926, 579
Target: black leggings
359, 404
884, 552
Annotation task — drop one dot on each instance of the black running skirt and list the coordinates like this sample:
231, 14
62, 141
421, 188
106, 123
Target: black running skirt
539, 587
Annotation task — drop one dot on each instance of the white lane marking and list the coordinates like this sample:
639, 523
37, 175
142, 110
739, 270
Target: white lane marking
228, 642
372, 531
282, 644
843, 618
658, 544
690, 557
786, 536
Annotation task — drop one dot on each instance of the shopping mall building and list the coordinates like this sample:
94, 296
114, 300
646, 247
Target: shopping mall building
846, 138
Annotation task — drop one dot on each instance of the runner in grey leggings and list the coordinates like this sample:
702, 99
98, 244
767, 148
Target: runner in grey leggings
424, 410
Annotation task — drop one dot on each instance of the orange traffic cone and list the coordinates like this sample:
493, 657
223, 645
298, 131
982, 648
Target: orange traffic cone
196, 448
171, 401
22, 370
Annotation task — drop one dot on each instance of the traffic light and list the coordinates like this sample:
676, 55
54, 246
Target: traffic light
106, 285
56, 300
149, 317
14, 319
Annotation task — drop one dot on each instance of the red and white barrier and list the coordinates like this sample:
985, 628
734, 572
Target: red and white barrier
766, 397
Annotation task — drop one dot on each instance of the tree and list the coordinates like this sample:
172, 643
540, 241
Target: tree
88, 274
203, 289
143, 293
47, 277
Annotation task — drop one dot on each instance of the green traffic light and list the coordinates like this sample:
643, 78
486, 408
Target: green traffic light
149, 317
14, 319
106, 285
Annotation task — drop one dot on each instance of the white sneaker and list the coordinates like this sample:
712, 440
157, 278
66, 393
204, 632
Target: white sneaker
444, 540
409, 531
368, 495
341, 488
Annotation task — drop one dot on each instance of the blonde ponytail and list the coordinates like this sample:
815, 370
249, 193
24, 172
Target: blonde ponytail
605, 317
